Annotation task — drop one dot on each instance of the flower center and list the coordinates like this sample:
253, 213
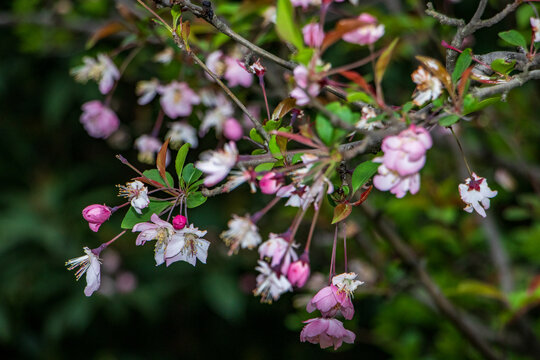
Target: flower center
190, 243
475, 184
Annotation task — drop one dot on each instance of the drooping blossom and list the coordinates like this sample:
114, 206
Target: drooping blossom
137, 193
313, 35
279, 250
535, 24
217, 117
346, 282
217, 164
257, 68
98, 120
182, 133
190, 248
101, 70
476, 194
96, 215
367, 34
164, 234
242, 233
177, 99
428, 87
298, 272
179, 222
404, 156
270, 285
165, 56
329, 300
235, 74
305, 88
326, 332
146, 90
232, 129
366, 122
316, 191
239, 177
270, 182
90, 265
148, 146
296, 194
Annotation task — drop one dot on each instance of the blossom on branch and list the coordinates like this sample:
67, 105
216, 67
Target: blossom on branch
313, 35
137, 193
96, 215
428, 87
535, 25
366, 34
476, 194
148, 146
270, 285
182, 133
242, 233
326, 332
279, 251
90, 265
217, 164
101, 70
147, 90
98, 120
305, 88
177, 99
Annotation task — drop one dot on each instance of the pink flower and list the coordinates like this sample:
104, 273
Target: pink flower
270, 182
235, 74
102, 70
299, 271
98, 120
387, 179
90, 265
476, 194
304, 3
216, 64
179, 222
305, 88
96, 215
177, 99
217, 164
313, 35
329, 300
326, 332
232, 129
279, 250
367, 34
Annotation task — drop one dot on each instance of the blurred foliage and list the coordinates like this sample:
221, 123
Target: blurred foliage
52, 170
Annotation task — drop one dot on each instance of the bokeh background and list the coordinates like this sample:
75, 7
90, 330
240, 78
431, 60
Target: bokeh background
51, 169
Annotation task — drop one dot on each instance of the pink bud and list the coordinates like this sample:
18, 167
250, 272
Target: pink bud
298, 272
232, 129
179, 222
270, 183
96, 215
313, 35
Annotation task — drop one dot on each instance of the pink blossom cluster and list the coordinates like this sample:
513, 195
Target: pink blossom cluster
404, 156
229, 68
366, 34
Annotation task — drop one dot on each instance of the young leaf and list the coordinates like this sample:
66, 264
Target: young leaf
154, 175
254, 135
448, 120
513, 37
384, 60
195, 199
160, 161
341, 212
285, 26
180, 160
503, 67
360, 96
362, 174
283, 108
324, 128
191, 174
106, 30
462, 63
131, 218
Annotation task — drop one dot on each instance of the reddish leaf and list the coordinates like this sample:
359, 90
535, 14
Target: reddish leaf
149, 181
341, 212
343, 26
363, 196
103, 32
160, 161
283, 108
438, 70
359, 80
296, 137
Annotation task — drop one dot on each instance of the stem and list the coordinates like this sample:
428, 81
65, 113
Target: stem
312, 228
333, 259
462, 152
123, 67
261, 83
259, 214
159, 122
345, 244
100, 248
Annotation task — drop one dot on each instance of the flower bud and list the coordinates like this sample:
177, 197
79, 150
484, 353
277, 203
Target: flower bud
179, 222
232, 129
270, 183
298, 272
96, 215
313, 35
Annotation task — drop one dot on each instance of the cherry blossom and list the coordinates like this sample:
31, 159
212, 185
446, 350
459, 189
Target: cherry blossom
346, 282
270, 182
476, 194
329, 300
217, 164
137, 194
326, 332
216, 117
182, 133
89, 264
242, 233
368, 113
301, 77
146, 90
232, 129
428, 87
298, 272
313, 35
235, 74
279, 250
366, 34
177, 99
148, 146
215, 62
535, 24
270, 285
98, 120
101, 70
191, 247
96, 215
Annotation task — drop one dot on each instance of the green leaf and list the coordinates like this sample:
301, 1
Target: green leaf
480, 289
500, 65
286, 29
513, 37
272, 125
153, 174
471, 104
407, 107
191, 174
344, 112
304, 56
362, 174
449, 120
264, 167
462, 63
180, 160
254, 135
324, 128
195, 199
384, 60
296, 158
360, 96
131, 218
341, 212
195, 185
176, 12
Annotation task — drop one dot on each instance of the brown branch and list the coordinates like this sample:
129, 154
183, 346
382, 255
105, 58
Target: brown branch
517, 81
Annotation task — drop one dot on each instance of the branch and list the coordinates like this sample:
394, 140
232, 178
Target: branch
517, 81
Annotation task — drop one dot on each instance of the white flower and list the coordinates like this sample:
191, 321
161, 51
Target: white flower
190, 246
147, 90
242, 233
217, 164
137, 193
346, 282
427, 86
269, 285
165, 56
295, 194
476, 194
280, 251
216, 117
177, 99
180, 133
101, 70
368, 113
535, 24
90, 265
